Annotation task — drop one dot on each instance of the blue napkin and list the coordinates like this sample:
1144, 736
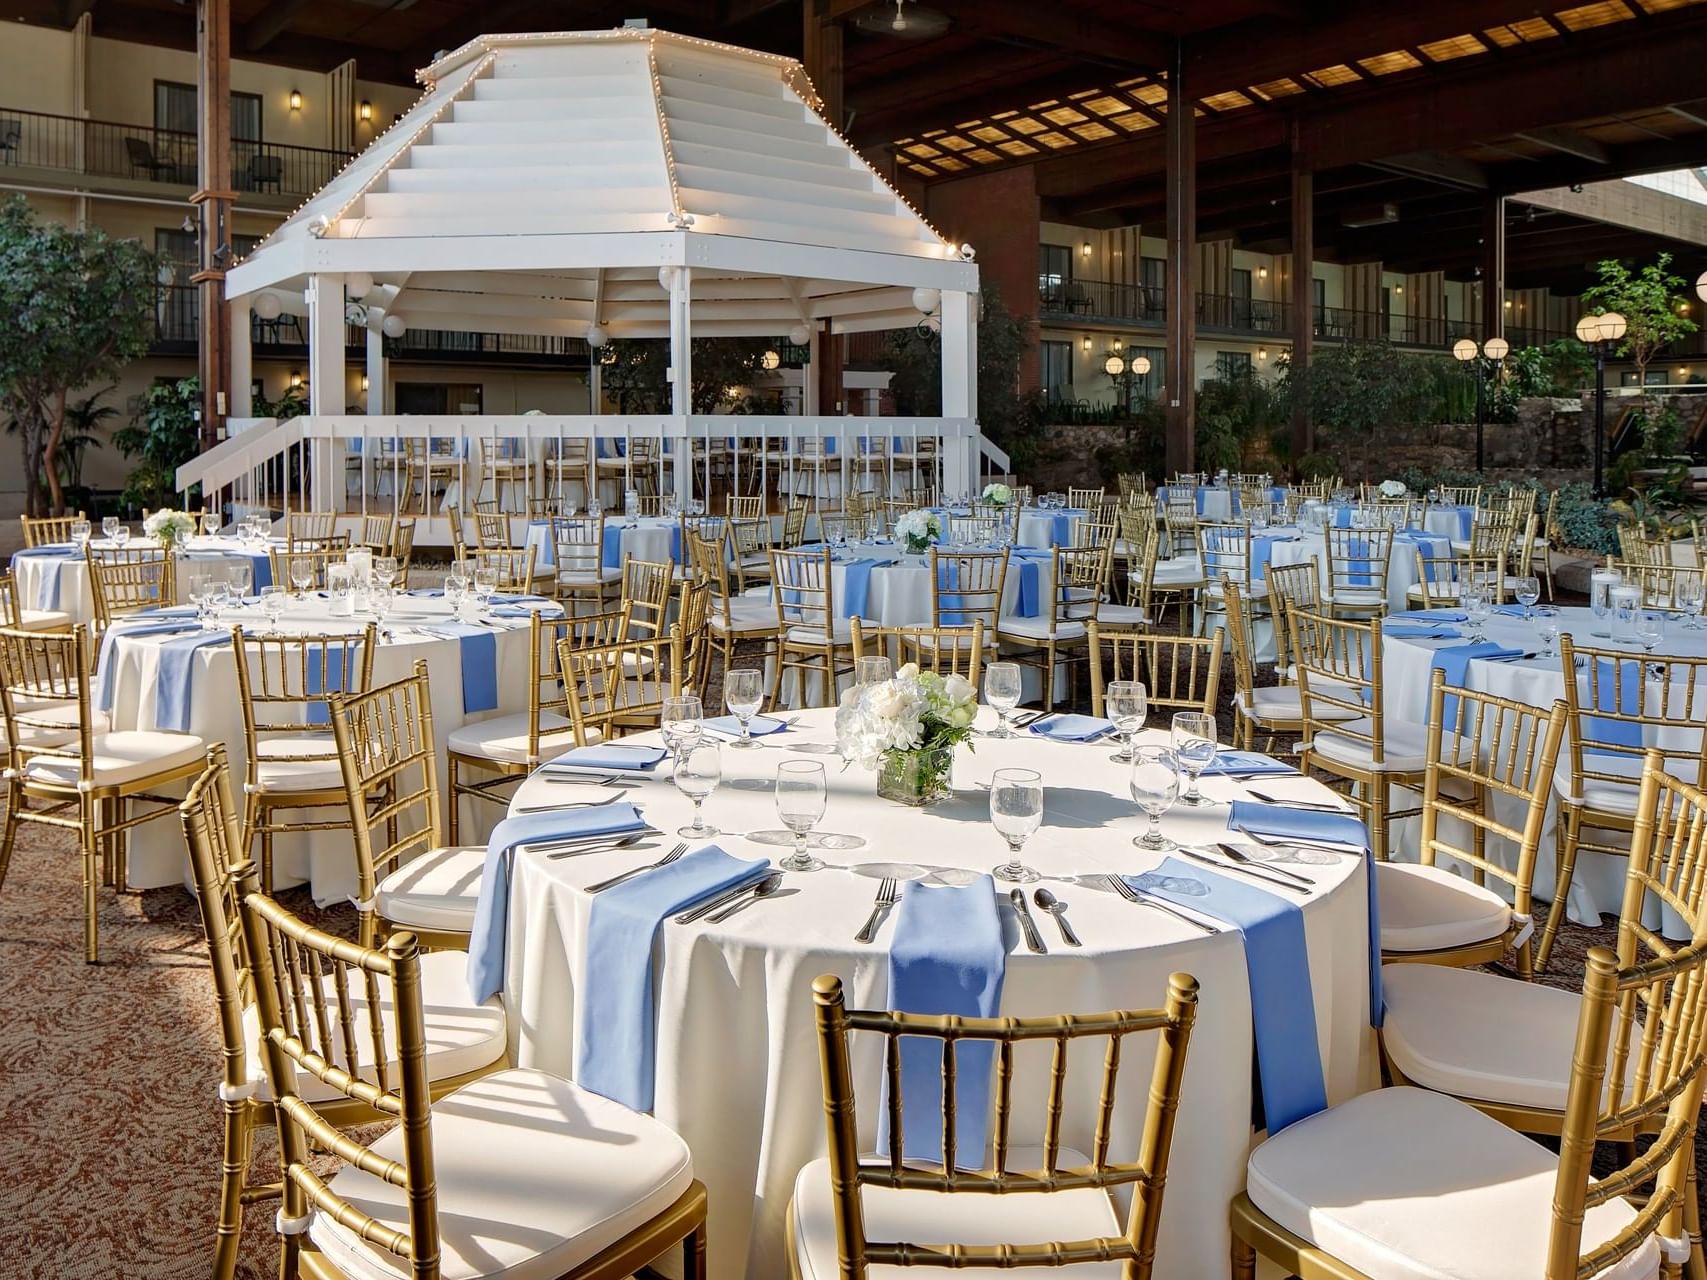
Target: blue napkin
1430, 615
54, 558
1466, 522
479, 666
610, 755
1434, 549
757, 727
1360, 569
487, 938
338, 680
1423, 630
1262, 549
1029, 604
260, 569
613, 546
617, 1041
1061, 528
1283, 821
856, 587
1202, 499
1283, 1008
106, 666
1228, 761
1627, 700
675, 544
947, 956
1066, 727
177, 663
1455, 660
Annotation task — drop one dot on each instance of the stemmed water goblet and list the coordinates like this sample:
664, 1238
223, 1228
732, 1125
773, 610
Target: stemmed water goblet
743, 693
1154, 786
1528, 592
1473, 594
1547, 624
121, 536
1127, 703
1016, 811
80, 532
1689, 595
301, 575
1194, 750
699, 768
109, 527
682, 720
872, 669
384, 570
485, 585
1650, 628
1002, 691
800, 802
210, 523
273, 605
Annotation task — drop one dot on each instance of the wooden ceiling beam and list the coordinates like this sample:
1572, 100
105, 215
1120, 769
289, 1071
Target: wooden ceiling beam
886, 111
1573, 142
266, 26
1063, 28
1438, 166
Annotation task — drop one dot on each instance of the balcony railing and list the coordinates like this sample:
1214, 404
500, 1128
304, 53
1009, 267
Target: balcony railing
104, 149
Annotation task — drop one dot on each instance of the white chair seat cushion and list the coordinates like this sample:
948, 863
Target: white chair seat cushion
1122, 615
461, 1036
50, 715
121, 757
841, 632
1037, 629
587, 577
505, 738
1404, 746
1254, 591
1404, 1184
1604, 795
1358, 597
746, 613
1181, 571
1476, 1035
1426, 908
535, 1177
44, 620
931, 1217
437, 890
308, 763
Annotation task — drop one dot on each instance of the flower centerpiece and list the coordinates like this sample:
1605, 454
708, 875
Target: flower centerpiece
170, 528
918, 529
906, 728
997, 495
1392, 489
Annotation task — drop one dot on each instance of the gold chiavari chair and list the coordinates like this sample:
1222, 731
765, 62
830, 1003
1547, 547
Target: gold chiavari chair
514, 566
580, 573
378, 534
1269, 711
733, 619
434, 465
42, 531
748, 506
67, 770
1541, 547
125, 580
1357, 571
284, 562
693, 621
1085, 498
1059, 633
403, 549
620, 686
570, 463
852, 1213
1450, 1191
1389, 514
458, 534
1347, 734
960, 650
310, 528
492, 530
1659, 583
1441, 579
974, 530
750, 550
1492, 535
407, 878
811, 639
503, 465
966, 587
834, 525
648, 505
15, 615
1637, 546
646, 589
1134, 548
292, 770
1290, 586
1461, 495
1484, 751
1180, 673
1132, 484
1618, 708
464, 1041
1224, 551
1179, 518
506, 748
793, 522
419, 1202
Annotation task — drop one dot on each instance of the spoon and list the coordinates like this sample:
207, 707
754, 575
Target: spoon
769, 885
1054, 906
1240, 856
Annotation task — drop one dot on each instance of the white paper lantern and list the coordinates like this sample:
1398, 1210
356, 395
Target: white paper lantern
394, 327
800, 335
596, 336
267, 305
358, 284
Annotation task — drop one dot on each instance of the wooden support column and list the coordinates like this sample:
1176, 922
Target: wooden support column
1181, 360
214, 198
827, 367
1493, 268
1302, 291
822, 57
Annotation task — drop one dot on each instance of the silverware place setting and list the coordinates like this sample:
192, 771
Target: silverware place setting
574, 846
570, 804
1244, 859
1282, 842
1028, 926
1269, 798
888, 890
1252, 870
1055, 907
765, 888
1119, 885
718, 902
628, 875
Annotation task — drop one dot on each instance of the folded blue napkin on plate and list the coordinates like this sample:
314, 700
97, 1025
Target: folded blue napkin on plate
947, 956
616, 1044
1429, 615
1455, 659
609, 755
1308, 824
1422, 630
757, 726
479, 649
106, 665
1509, 610
177, 667
1227, 761
1066, 727
486, 940
1283, 1007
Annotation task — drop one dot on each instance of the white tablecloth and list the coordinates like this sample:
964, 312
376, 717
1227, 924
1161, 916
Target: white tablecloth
737, 1062
75, 596
643, 538
325, 859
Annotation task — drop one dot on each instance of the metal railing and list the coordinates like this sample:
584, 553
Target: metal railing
104, 148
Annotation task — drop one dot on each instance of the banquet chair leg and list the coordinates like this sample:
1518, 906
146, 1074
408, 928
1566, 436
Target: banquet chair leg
1568, 840
1379, 797
693, 1254
234, 1170
1696, 1266
91, 842
1244, 1260
9, 837
453, 797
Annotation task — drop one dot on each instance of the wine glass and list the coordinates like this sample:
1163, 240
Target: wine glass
1016, 811
385, 570
699, 768
273, 604
121, 536
1154, 785
210, 523
743, 693
1194, 749
1650, 628
80, 531
1548, 625
800, 800
1127, 703
1528, 592
301, 575
1002, 691
485, 584
872, 669
1474, 596
109, 527
1689, 594
456, 586
683, 723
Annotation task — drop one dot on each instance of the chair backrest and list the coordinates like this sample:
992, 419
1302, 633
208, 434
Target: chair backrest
458, 536
491, 527
1095, 533
311, 992
44, 677
750, 544
1290, 586
1621, 705
11, 608
748, 506
1005, 1038
1516, 748
513, 564
1659, 583
1338, 662
285, 682
42, 531
389, 759
833, 526
944, 650
546, 692
1224, 547
620, 686
310, 527
580, 545
1081, 580
967, 587
126, 580
285, 560
646, 588
1239, 636
1357, 561
1180, 673
403, 548
1085, 497
1443, 577
804, 589
793, 523
693, 618
973, 530
378, 534
1461, 495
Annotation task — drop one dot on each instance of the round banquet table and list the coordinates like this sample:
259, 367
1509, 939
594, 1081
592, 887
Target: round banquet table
324, 859
34, 571
898, 591
1597, 886
737, 1056
654, 538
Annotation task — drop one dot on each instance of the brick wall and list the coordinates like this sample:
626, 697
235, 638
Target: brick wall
996, 213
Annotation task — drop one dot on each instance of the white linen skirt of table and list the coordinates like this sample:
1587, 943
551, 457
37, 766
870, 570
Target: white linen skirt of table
737, 1060
324, 858
77, 598
649, 538
1597, 885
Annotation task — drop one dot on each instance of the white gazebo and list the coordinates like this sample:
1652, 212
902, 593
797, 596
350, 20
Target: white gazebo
629, 183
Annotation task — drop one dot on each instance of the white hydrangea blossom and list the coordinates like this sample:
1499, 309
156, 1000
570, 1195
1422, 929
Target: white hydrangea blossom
170, 527
998, 495
918, 526
913, 709
1393, 489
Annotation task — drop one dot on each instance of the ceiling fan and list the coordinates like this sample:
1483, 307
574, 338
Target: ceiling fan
908, 20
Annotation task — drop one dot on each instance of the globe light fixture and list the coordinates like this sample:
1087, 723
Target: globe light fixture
358, 284
770, 360
1496, 348
1701, 286
596, 335
1141, 366
1612, 327
1588, 329
1114, 366
799, 336
267, 305
1464, 349
394, 327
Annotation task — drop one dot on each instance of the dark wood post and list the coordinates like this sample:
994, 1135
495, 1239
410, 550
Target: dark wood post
213, 199
1303, 292
1181, 359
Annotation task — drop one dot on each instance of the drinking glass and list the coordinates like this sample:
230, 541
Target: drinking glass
872, 670
1194, 749
121, 536
1001, 691
109, 527
1689, 595
196, 593
456, 587
699, 768
1474, 597
1154, 785
385, 570
380, 599
1016, 810
1547, 619
743, 693
485, 585
301, 575
800, 800
683, 723
1650, 628
1127, 703
1528, 592
80, 532
210, 524
273, 604
1601, 582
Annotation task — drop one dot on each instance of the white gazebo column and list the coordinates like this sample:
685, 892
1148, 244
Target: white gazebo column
681, 379
240, 403
959, 387
325, 381
376, 392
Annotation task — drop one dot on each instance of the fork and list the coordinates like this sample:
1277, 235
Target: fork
665, 861
572, 804
887, 891
1145, 900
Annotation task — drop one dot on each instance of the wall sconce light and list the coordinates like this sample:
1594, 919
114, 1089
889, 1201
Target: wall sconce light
1085, 344
1262, 353
1085, 249
364, 382
296, 100
1508, 304
365, 111
295, 379
1262, 273
1398, 290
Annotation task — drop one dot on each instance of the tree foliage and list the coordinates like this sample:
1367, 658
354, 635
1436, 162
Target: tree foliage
77, 306
168, 436
1647, 299
634, 373
1355, 390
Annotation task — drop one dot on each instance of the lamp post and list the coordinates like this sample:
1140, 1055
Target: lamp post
1494, 350
1122, 373
1598, 334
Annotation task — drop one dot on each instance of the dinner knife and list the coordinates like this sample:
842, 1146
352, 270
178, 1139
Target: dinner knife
712, 904
1033, 939
1254, 872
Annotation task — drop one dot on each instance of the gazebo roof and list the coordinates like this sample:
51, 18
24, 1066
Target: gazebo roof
543, 180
